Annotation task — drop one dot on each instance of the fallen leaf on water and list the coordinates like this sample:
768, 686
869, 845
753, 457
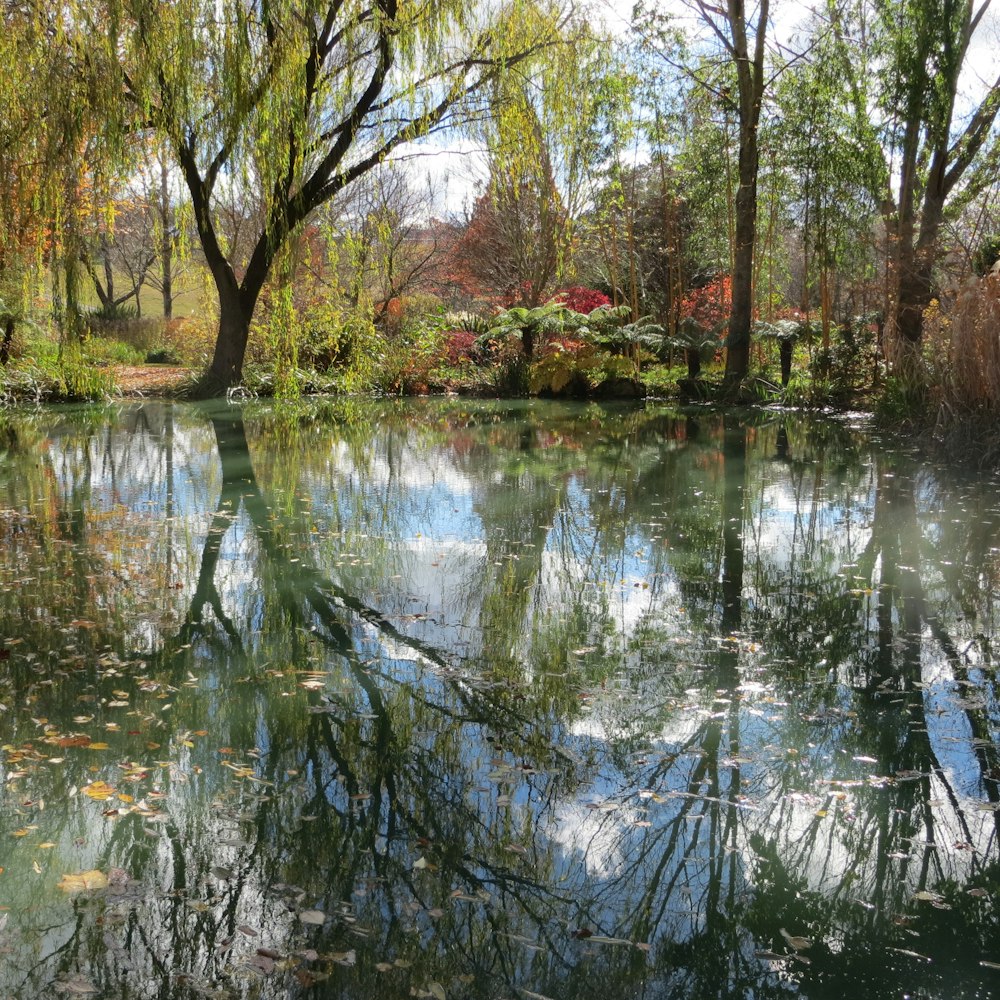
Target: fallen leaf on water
795, 942
437, 990
910, 954
312, 917
99, 790
262, 963
77, 986
74, 741
82, 881
344, 957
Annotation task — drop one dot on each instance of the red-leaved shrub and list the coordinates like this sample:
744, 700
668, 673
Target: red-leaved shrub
458, 346
711, 304
580, 299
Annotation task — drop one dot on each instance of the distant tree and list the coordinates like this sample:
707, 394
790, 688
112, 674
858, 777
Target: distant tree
385, 241
515, 241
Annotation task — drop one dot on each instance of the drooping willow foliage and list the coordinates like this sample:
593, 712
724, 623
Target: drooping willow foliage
297, 100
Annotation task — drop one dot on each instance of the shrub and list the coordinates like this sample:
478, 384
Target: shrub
576, 367
581, 300
986, 255
163, 356
710, 305
459, 346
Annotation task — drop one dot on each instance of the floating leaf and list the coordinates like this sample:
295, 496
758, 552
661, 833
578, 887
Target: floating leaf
77, 986
83, 881
437, 990
795, 942
98, 790
312, 917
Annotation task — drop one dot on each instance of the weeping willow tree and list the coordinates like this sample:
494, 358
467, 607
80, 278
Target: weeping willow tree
299, 99
47, 121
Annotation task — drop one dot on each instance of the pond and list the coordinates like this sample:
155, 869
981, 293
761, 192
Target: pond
461, 699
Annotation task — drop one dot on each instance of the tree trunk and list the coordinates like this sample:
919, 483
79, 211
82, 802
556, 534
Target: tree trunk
785, 356
738, 340
226, 369
166, 242
528, 342
8, 340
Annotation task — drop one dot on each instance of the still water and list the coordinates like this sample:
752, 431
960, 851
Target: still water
477, 700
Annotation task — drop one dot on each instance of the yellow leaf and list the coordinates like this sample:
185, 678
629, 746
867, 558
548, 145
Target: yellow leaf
99, 790
98, 746
82, 881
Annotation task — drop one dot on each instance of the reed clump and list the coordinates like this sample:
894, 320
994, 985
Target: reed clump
962, 346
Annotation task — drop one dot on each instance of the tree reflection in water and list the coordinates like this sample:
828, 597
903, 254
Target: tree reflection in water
492, 700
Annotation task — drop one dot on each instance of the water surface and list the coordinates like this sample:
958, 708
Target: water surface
455, 699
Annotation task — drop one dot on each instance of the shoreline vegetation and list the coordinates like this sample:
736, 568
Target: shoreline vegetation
945, 397
157, 360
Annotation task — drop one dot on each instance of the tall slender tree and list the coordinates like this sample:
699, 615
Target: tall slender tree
740, 33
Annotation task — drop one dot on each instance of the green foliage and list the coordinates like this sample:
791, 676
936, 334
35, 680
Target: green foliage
902, 400
783, 330
661, 380
542, 322
109, 351
339, 342
692, 336
848, 367
52, 379
577, 368
986, 255
113, 312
